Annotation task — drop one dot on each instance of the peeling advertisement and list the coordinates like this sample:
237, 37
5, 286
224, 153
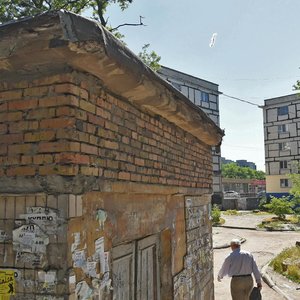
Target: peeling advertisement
30, 238
47, 281
7, 282
3, 236
101, 217
36, 259
79, 259
83, 291
45, 217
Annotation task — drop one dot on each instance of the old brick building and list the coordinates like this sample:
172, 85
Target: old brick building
106, 170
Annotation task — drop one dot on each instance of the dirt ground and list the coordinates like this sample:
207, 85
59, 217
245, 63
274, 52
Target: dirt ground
263, 245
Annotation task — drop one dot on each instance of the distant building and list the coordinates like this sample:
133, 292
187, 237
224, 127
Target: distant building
204, 94
282, 140
240, 162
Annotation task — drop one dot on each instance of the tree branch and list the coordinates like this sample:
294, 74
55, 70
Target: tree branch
129, 24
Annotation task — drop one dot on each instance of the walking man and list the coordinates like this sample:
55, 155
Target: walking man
240, 265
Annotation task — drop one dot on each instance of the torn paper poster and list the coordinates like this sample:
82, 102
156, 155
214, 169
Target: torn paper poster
36, 259
47, 277
76, 241
7, 282
30, 238
213, 40
46, 218
79, 259
48, 297
91, 267
101, 216
83, 291
3, 236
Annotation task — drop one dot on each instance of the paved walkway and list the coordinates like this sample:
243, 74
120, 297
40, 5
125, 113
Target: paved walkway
264, 246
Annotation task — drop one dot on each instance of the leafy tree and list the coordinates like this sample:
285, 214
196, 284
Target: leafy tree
16, 9
151, 59
232, 170
280, 206
297, 85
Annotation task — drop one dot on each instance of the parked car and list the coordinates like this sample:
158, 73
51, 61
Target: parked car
231, 194
261, 194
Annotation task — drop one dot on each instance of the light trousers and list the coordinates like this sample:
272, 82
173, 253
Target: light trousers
241, 287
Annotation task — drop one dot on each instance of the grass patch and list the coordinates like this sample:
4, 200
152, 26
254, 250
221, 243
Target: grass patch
231, 212
278, 223
287, 263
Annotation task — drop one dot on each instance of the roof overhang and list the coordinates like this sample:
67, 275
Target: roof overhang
56, 40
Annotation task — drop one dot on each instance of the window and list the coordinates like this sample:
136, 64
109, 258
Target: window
283, 110
284, 183
283, 164
282, 128
204, 97
284, 146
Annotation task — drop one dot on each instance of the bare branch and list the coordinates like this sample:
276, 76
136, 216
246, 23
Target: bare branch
129, 24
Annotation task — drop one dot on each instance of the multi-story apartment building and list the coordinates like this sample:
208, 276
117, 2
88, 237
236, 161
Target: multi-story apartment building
206, 95
282, 142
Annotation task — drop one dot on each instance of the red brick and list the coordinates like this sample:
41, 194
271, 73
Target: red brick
85, 148
23, 104
46, 135
96, 120
3, 106
11, 138
67, 88
58, 100
3, 128
111, 145
11, 116
89, 171
61, 146
58, 169
21, 171
42, 159
139, 161
110, 174
23, 126
57, 123
87, 106
43, 113
24, 148
65, 111
3, 149
36, 91
26, 160
124, 176
72, 158
9, 95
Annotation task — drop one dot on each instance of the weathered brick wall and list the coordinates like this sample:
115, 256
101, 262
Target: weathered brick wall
64, 125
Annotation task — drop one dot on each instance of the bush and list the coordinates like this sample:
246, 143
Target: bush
216, 214
292, 270
280, 206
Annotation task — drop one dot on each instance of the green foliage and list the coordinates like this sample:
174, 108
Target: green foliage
150, 58
231, 212
232, 170
280, 206
216, 214
297, 85
290, 255
16, 9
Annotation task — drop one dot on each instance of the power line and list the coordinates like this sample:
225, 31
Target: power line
242, 100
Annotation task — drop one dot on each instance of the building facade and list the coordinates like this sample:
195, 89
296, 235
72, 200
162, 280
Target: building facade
105, 179
282, 141
203, 94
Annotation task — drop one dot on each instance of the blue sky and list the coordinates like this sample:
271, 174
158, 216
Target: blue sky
256, 55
